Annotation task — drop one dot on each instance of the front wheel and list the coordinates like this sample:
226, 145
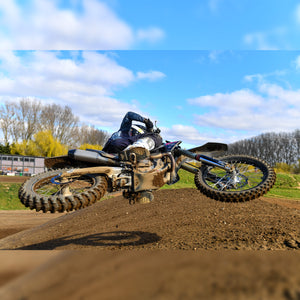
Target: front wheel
41, 192
248, 179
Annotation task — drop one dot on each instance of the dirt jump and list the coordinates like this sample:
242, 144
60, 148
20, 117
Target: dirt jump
183, 245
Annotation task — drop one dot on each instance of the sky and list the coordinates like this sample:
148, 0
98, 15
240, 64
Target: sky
149, 25
211, 70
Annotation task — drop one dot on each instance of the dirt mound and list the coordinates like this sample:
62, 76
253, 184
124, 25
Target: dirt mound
176, 219
141, 253
13, 221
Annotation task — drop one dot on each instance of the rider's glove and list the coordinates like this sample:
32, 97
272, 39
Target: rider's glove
148, 124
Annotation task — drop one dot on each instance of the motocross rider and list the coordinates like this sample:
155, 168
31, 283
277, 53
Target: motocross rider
131, 138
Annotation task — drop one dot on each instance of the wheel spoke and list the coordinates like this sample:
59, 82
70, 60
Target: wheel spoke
248, 178
75, 186
245, 177
40, 193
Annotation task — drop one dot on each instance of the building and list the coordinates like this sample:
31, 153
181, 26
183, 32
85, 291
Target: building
21, 165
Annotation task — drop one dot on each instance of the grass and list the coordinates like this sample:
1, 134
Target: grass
9, 197
186, 181
286, 186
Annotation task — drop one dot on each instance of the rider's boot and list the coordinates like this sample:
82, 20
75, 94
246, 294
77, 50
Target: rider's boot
131, 152
145, 197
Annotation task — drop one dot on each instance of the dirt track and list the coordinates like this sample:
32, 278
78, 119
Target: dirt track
177, 220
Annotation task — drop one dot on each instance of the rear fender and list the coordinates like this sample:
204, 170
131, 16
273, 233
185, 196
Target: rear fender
58, 162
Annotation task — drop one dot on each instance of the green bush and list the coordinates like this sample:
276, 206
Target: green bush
285, 168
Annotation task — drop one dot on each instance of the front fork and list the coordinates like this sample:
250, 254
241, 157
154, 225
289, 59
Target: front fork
206, 160
233, 178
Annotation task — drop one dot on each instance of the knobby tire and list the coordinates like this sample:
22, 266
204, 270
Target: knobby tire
31, 197
257, 191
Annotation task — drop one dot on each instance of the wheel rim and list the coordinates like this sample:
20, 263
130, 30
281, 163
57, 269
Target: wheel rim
71, 186
244, 177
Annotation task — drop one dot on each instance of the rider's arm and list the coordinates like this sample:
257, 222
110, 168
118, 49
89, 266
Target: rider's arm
127, 121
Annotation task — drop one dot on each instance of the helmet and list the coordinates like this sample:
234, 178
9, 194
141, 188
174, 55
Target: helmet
137, 129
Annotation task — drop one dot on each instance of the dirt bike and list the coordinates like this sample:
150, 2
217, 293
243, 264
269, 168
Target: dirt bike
82, 177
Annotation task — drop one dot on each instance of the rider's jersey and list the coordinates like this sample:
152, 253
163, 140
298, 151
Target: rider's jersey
121, 138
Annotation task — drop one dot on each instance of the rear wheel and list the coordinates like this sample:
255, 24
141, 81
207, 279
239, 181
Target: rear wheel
249, 179
41, 192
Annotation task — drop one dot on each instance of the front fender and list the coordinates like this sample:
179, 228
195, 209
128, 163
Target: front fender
211, 149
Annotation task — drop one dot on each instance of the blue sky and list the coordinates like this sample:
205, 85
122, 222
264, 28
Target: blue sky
150, 24
211, 70
196, 96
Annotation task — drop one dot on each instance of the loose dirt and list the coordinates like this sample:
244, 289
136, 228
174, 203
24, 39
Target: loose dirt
160, 250
176, 219
13, 179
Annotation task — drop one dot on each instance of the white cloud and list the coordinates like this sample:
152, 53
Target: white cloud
151, 75
42, 25
270, 108
191, 136
152, 34
86, 82
259, 41
283, 96
261, 77
235, 101
42, 72
187, 134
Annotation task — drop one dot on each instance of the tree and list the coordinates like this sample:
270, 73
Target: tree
43, 144
7, 115
19, 121
60, 121
5, 149
272, 147
47, 145
22, 120
89, 146
91, 135
28, 116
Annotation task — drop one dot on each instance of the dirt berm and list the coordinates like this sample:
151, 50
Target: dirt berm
160, 251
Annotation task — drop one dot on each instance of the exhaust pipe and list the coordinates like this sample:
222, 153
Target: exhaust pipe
92, 157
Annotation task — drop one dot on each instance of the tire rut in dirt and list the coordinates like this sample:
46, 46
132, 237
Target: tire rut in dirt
268, 180
53, 200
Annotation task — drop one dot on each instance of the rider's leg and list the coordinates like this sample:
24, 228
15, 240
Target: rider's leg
145, 142
141, 148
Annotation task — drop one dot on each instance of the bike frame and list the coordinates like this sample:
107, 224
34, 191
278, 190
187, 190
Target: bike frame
160, 175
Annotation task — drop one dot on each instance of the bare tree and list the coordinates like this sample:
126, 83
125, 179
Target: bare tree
7, 116
28, 116
20, 121
91, 135
60, 121
271, 147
